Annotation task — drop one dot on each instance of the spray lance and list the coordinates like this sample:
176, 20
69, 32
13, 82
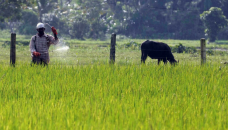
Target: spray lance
53, 30
65, 48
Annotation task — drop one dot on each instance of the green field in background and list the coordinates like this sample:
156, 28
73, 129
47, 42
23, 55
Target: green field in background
92, 51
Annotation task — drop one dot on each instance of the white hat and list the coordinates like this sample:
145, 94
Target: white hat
40, 25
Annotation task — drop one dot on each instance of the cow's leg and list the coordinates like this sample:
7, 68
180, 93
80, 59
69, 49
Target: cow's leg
165, 60
159, 60
143, 57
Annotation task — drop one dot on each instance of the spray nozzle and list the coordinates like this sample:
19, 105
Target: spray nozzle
48, 25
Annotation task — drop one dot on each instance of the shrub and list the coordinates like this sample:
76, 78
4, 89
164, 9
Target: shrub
182, 49
210, 52
132, 44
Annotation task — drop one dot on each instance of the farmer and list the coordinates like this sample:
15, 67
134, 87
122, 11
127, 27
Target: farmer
40, 44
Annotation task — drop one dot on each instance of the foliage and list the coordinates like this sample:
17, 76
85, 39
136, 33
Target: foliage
95, 18
79, 28
2, 26
163, 19
97, 30
59, 24
131, 45
210, 52
45, 6
5, 33
183, 49
214, 21
10, 10
29, 21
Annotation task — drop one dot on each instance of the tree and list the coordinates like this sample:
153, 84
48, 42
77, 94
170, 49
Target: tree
45, 6
29, 20
95, 15
10, 11
183, 18
214, 21
224, 5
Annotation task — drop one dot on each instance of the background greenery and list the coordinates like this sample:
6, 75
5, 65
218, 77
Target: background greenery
163, 19
80, 90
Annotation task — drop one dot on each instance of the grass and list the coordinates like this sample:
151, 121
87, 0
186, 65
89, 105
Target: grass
114, 97
25, 39
90, 52
80, 90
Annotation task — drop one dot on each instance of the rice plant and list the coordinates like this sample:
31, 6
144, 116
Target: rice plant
103, 96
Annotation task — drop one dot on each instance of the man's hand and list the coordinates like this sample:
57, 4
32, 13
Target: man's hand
36, 54
54, 31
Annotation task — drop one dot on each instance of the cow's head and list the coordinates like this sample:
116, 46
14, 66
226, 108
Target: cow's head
174, 62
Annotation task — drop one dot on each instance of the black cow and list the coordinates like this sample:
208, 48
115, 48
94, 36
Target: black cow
157, 50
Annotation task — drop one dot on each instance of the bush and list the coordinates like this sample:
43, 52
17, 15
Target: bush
182, 49
29, 21
210, 52
131, 44
191, 50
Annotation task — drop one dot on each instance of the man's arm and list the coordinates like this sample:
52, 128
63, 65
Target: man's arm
53, 40
55, 35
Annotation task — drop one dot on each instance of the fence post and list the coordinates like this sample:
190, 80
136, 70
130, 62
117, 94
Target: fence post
112, 49
13, 49
203, 51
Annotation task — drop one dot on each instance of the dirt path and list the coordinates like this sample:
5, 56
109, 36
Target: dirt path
214, 49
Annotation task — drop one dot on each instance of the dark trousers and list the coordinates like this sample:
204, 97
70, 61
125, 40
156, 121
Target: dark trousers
43, 59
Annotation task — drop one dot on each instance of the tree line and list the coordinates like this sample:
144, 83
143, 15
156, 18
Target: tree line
174, 19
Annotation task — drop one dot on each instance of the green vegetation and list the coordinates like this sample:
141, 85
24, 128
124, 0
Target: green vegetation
101, 96
214, 21
138, 19
80, 90
89, 51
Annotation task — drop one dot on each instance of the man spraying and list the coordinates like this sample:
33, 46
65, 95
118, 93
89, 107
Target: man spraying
40, 43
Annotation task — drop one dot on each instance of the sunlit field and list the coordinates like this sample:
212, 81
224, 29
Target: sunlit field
89, 52
80, 90
101, 96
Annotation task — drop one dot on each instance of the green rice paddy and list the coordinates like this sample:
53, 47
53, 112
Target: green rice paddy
80, 90
114, 97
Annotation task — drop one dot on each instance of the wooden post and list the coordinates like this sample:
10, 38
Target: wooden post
203, 51
13, 49
112, 49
